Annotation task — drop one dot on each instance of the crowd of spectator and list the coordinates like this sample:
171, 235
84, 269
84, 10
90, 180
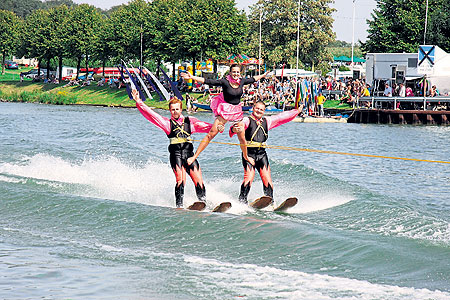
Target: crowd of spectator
281, 93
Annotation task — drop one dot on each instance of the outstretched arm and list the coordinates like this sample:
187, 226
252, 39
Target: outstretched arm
283, 118
187, 76
259, 77
199, 126
150, 114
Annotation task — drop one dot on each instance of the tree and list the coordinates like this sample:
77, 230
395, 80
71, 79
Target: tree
46, 35
163, 37
213, 29
59, 38
35, 38
83, 34
103, 51
21, 8
438, 29
279, 31
398, 26
56, 3
126, 24
10, 26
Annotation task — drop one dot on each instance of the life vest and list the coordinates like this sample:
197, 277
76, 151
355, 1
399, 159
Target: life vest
180, 137
256, 134
180, 133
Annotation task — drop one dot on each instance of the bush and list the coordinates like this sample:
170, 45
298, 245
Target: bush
26, 96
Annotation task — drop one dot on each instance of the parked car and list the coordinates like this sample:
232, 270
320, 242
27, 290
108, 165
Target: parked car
9, 64
34, 73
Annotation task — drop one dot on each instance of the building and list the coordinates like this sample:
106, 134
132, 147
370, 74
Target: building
431, 62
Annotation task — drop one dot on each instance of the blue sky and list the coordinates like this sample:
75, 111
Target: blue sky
342, 25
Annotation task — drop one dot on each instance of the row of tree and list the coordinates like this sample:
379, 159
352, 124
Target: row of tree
23, 8
173, 30
399, 26
168, 30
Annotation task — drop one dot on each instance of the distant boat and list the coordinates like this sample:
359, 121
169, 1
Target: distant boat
202, 106
270, 109
206, 106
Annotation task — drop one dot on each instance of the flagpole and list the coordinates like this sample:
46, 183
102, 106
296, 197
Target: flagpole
353, 32
426, 21
259, 61
298, 38
141, 62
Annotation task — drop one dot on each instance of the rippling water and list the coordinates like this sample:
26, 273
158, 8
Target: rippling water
87, 212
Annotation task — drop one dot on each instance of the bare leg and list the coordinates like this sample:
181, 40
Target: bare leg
204, 143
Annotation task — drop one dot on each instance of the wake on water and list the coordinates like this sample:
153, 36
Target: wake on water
151, 183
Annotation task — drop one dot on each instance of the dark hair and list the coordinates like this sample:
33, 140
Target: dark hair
234, 66
259, 101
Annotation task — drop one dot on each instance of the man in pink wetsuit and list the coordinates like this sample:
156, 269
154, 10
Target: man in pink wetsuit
178, 129
256, 133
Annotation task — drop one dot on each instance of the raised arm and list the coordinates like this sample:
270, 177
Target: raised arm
158, 120
282, 118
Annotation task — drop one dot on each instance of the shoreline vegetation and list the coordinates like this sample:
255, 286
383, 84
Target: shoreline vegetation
12, 90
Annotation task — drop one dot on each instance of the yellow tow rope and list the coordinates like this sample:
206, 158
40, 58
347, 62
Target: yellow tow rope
336, 152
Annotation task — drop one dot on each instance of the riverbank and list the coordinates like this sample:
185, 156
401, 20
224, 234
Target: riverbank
59, 94
27, 91
12, 90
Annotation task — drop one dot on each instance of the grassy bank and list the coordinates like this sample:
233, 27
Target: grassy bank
12, 90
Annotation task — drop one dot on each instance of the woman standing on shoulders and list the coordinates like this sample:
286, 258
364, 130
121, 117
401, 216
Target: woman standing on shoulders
226, 106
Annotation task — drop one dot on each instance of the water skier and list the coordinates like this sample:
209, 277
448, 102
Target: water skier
256, 131
178, 129
226, 106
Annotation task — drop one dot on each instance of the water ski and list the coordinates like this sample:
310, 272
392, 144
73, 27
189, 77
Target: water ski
199, 205
261, 202
288, 203
222, 207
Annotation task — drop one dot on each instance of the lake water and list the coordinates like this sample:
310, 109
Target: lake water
87, 212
